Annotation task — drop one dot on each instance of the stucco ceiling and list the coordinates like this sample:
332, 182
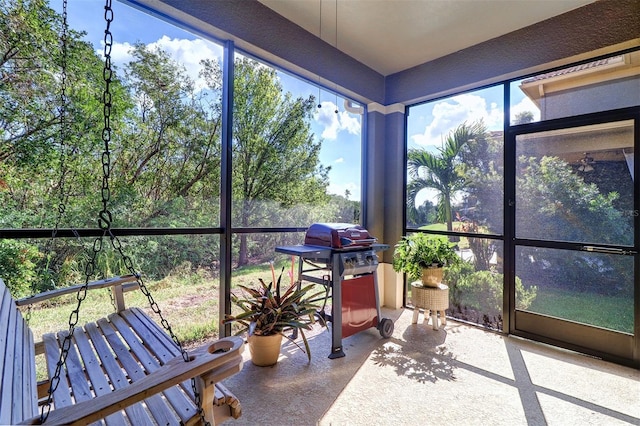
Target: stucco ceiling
394, 35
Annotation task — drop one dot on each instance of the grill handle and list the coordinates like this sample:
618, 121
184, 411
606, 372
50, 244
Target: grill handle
346, 242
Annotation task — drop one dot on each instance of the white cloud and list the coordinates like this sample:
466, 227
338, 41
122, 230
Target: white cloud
119, 53
187, 53
334, 123
454, 111
339, 160
526, 104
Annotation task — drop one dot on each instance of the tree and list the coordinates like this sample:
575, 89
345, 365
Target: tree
165, 145
169, 163
483, 165
554, 203
442, 171
424, 214
31, 135
275, 157
523, 117
347, 211
29, 61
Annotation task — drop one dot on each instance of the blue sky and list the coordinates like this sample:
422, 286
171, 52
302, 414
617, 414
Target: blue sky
427, 124
340, 133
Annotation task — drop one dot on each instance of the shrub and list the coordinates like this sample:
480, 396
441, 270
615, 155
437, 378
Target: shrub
455, 274
482, 290
18, 266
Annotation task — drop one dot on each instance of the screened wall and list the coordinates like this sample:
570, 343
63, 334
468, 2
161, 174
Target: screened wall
540, 207
216, 157
200, 189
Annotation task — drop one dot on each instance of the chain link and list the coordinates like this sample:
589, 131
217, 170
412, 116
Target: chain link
105, 221
73, 321
55, 381
117, 245
63, 147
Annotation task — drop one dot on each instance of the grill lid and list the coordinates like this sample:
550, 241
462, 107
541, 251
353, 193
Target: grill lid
338, 235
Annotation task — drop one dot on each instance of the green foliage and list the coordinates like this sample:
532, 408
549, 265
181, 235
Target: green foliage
276, 161
483, 165
456, 274
442, 171
483, 249
523, 117
30, 53
18, 266
420, 250
482, 290
348, 211
167, 163
165, 150
266, 310
559, 204
424, 214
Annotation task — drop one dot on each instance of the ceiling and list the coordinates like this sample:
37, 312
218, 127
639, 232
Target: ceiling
393, 35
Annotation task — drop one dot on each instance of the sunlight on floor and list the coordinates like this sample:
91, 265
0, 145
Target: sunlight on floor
457, 375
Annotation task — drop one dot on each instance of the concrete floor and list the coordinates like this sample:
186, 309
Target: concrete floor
457, 375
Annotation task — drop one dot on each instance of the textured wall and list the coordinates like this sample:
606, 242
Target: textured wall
256, 27
600, 24
592, 98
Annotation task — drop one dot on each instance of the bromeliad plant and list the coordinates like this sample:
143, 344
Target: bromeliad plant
266, 310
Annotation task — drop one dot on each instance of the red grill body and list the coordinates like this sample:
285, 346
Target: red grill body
359, 305
343, 258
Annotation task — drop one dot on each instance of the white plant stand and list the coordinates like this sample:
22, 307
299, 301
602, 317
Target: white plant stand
432, 300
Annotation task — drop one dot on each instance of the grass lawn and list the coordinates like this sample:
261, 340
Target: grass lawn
189, 304
464, 241
615, 313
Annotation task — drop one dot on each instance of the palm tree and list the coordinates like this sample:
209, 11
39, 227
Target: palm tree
442, 170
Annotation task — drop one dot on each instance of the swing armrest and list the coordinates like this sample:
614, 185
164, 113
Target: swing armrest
213, 362
128, 282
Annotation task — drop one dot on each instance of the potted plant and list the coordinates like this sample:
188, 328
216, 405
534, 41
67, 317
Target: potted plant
267, 314
423, 257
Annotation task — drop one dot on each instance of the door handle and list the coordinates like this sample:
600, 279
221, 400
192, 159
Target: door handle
608, 250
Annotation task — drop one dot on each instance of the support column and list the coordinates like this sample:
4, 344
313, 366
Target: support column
384, 181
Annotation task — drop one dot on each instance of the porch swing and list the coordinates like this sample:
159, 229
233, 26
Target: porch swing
123, 369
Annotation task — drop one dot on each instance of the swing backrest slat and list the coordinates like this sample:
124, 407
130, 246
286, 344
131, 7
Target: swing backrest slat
18, 390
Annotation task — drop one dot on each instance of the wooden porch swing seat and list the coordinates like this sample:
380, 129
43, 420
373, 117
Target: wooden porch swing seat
123, 369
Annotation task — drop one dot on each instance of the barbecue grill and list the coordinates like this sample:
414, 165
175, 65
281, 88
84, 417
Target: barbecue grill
343, 258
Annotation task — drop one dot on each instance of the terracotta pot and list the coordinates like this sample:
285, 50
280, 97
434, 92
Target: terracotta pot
265, 350
431, 277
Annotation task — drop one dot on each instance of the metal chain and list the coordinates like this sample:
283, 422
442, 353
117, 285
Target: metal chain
55, 381
73, 321
105, 220
64, 128
117, 245
63, 147
105, 217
